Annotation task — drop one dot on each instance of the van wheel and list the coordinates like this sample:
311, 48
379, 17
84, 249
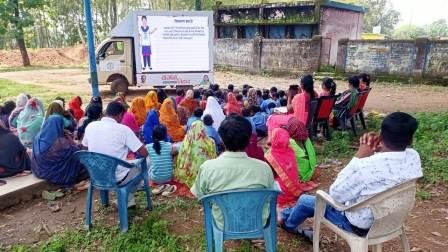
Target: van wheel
119, 85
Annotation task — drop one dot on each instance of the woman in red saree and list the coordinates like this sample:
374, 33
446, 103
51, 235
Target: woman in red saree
232, 106
189, 102
283, 160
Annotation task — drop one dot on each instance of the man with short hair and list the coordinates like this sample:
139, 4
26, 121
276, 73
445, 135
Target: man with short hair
233, 169
111, 138
382, 162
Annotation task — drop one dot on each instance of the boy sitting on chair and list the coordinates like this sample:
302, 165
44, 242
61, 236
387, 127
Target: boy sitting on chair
382, 162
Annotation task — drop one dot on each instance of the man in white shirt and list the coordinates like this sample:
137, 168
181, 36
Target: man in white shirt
382, 162
111, 138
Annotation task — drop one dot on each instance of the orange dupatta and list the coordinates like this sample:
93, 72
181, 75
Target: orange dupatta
151, 101
169, 118
138, 109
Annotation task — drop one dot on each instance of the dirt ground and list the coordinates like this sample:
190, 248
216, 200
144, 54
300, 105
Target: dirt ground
384, 97
46, 56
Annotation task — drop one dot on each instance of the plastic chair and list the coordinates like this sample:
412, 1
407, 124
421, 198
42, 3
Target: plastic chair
101, 169
390, 209
311, 111
322, 116
360, 110
242, 212
350, 116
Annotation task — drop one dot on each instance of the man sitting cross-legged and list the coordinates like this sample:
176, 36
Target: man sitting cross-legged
382, 162
111, 138
233, 169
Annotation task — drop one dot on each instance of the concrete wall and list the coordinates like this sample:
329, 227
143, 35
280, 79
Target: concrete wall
276, 55
420, 57
337, 24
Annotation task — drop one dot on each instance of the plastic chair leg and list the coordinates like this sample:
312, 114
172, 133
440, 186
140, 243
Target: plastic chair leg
318, 215
270, 240
404, 240
353, 125
327, 132
88, 220
104, 195
218, 240
359, 245
123, 209
361, 118
147, 192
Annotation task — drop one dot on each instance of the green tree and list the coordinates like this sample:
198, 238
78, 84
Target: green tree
14, 17
408, 32
438, 29
380, 13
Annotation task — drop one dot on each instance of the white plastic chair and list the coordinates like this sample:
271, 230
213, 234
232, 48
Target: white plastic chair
390, 209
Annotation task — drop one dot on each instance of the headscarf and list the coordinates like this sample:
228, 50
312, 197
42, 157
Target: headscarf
21, 101
252, 99
282, 158
138, 109
183, 115
214, 109
151, 101
152, 120
122, 97
13, 156
75, 106
232, 105
169, 118
52, 154
55, 107
29, 121
296, 129
93, 113
196, 148
161, 95
130, 121
189, 102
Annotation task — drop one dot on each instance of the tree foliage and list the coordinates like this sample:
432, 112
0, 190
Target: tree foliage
380, 13
435, 30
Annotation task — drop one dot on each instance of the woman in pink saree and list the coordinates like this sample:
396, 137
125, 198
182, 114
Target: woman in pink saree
283, 160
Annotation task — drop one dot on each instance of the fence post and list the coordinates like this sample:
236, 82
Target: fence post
256, 57
422, 45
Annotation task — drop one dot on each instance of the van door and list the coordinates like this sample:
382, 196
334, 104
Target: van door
112, 59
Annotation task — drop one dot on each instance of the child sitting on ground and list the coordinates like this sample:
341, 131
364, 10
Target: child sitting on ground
196, 116
212, 133
239, 99
161, 155
259, 118
328, 87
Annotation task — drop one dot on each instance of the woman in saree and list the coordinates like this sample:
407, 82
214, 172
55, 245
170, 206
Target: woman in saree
75, 107
56, 108
283, 160
21, 101
252, 98
169, 118
196, 148
30, 121
52, 155
183, 114
151, 101
152, 121
189, 102
138, 109
232, 106
299, 104
214, 109
13, 156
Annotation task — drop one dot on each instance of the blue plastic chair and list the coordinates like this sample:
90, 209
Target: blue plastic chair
101, 169
242, 211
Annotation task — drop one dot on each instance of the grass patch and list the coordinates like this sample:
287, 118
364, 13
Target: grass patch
39, 67
10, 89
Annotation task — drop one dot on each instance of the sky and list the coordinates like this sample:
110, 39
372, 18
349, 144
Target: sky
421, 12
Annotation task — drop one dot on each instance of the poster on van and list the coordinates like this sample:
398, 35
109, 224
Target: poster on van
174, 44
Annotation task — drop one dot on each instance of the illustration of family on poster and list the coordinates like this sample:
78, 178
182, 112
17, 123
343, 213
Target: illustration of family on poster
145, 42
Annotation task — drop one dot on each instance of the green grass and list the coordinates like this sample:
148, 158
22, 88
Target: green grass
10, 89
38, 67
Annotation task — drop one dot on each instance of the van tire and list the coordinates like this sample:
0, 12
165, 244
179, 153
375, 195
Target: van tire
119, 85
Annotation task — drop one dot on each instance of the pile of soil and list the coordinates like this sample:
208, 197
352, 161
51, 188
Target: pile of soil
46, 56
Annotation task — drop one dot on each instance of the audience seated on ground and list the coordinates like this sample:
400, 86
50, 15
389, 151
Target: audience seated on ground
93, 113
21, 101
215, 110
52, 158
382, 162
180, 95
300, 102
196, 148
98, 138
13, 155
328, 87
196, 116
152, 121
75, 109
183, 114
169, 118
212, 133
57, 108
5, 111
151, 101
259, 118
346, 101
161, 154
138, 108
29, 121
189, 102
233, 169
232, 106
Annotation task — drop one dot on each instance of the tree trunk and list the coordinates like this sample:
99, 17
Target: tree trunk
114, 13
19, 35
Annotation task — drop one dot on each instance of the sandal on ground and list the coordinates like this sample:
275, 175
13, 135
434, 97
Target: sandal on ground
170, 190
159, 189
